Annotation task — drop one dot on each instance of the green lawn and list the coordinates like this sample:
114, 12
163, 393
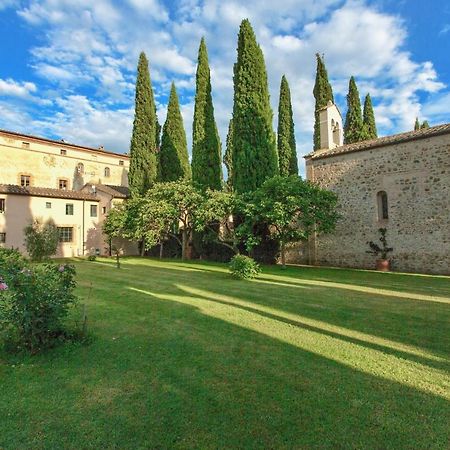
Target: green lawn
183, 356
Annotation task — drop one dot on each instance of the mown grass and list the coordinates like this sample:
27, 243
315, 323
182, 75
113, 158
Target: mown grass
183, 356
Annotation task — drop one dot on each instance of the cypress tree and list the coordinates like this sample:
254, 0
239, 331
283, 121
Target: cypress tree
228, 157
353, 120
174, 158
369, 125
323, 93
206, 149
287, 152
145, 136
254, 149
425, 125
417, 124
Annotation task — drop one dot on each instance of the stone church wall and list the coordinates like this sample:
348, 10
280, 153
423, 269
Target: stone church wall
416, 177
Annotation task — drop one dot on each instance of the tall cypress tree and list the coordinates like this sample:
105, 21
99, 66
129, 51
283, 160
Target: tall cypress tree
353, 120
287, 153
174, 158
254, 149
323, 93
417, 124
206, 149
369, 125
228, 157
145, 137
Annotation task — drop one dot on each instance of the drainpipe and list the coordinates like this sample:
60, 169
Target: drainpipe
82, 246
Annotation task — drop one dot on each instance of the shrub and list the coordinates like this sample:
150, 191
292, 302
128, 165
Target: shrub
11, 259
34, 300
91, 258
244, 267
41, 240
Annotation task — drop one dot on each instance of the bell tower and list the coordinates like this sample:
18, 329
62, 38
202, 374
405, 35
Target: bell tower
331, 130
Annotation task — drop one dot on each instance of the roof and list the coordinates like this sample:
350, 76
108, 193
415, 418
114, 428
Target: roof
114, 191
46, 192
63, 144
381, 142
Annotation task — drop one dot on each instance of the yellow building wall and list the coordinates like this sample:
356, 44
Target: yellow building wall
20, 210
43, 161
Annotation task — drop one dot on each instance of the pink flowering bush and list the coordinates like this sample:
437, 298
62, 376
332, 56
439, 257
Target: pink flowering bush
34, 300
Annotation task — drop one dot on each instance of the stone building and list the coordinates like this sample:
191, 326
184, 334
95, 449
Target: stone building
399, 182
73, 185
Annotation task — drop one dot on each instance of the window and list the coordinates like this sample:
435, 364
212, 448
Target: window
103, 209
80, 168
120, 163
25, 145
48, 205
63, 152
93, 210
2, 205
382, 203
2, 238
69, 209
65, 234
107, 172
25, 180
63, 184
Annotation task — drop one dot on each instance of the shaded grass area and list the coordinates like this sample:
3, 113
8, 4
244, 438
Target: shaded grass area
186, 357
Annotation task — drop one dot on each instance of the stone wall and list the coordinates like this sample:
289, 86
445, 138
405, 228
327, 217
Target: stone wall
416, 177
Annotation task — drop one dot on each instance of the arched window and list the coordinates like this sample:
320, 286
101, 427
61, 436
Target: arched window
336, 134
382, 203
80, 168
107, 172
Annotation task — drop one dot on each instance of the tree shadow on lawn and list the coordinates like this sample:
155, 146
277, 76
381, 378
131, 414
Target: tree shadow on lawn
411, 322
438, 363
430, 285
181, 378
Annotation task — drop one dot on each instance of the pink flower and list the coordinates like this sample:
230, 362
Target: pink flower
3, 286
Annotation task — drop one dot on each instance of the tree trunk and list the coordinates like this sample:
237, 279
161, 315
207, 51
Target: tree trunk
142, 247
184, 244
161, 250
283, 255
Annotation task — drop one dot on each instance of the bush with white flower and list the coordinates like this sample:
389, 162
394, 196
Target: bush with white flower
34, 300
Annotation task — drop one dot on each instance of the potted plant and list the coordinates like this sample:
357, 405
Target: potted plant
383, 263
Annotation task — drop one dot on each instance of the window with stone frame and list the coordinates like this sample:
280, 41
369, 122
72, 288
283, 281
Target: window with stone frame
2, 238
2, 205
69, 209
383, 206
65, 234
25, 180
107, 172
63, 184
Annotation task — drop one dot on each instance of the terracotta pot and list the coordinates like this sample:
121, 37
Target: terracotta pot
383, 265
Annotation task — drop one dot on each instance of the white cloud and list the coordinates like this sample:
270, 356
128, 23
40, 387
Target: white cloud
95, 45
13, 88
82, 122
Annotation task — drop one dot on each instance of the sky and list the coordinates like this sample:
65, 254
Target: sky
69, 67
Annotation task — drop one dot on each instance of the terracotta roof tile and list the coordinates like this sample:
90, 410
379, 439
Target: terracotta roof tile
63, 144
381, 142
46, 192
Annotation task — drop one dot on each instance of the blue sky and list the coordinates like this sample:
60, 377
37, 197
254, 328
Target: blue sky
69, 66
